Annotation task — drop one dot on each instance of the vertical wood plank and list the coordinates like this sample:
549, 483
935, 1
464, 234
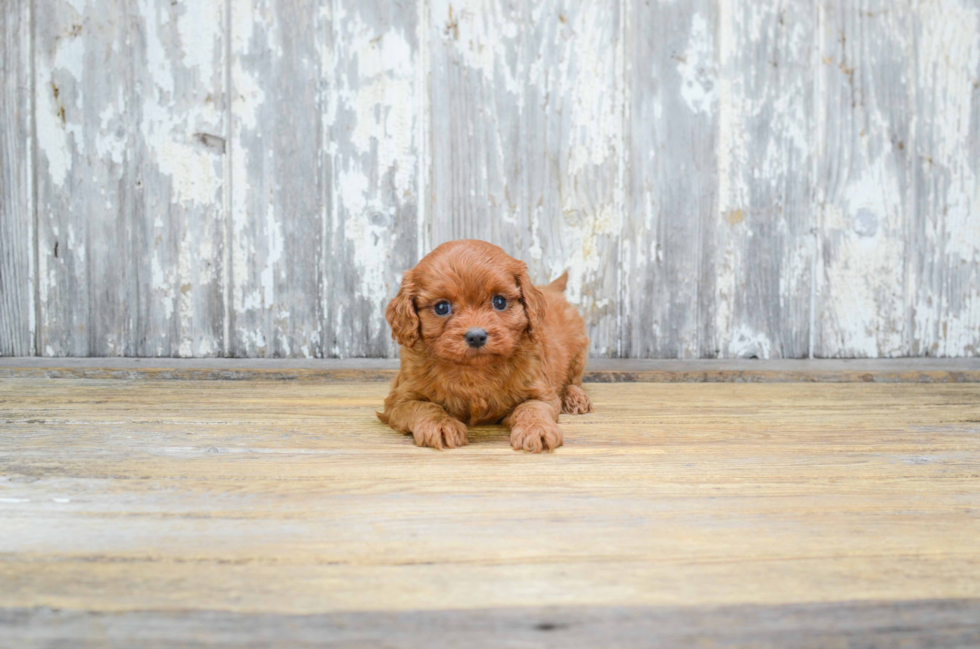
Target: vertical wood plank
758, 244
672, 173
526, 132
945, 241
180, 215
864, 179
476, 127
277, 193
129, 121
573, 107
86, 178
16, 182
372, 121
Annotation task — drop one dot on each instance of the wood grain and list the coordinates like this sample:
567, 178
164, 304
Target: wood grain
526, 131
16, 182
722, 178
944, 254
180, 216
573, 103
757, 242
373, 121
672, 190
476, 83
909, 370
88, 199
276, 238
271, 498
864, 179
130, 125
935, 623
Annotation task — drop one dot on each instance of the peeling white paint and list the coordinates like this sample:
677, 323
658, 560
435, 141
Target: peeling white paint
168, 131
58, 135
163, 285
583, 261
248, 97
571, 108
192, 171
863, 307
946, 319
382, 100
248, 93
186, 279
200, 26
207, 347
273, 256
376, 86
158, 64
475, 29
253, 339
697, 67
595, 134
368, 233
949, 59
732, 146
375, 159
181, 126
746, 343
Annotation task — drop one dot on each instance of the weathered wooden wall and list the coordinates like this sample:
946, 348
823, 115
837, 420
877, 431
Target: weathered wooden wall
724, 178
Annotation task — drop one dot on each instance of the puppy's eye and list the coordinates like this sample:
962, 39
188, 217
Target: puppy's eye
442, 308
499, 302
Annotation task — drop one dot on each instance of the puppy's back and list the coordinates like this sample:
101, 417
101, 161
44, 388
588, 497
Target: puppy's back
565, 340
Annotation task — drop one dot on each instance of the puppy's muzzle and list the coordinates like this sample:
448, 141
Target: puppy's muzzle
476, 338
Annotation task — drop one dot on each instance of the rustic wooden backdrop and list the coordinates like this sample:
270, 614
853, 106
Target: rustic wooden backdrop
724, 178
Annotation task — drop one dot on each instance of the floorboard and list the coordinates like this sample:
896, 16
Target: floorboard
599, 370
219, 513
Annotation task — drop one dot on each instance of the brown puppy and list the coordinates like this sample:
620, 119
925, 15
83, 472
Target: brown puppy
480, 344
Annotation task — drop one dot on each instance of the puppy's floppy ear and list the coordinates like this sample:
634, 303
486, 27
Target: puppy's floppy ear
402, 314
532, 299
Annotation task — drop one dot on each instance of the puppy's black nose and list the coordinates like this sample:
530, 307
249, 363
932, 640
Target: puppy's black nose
476, 338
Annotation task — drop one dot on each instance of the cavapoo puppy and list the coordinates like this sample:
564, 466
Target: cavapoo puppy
480, 344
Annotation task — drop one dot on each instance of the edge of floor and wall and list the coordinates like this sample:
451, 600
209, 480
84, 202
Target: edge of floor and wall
900, 370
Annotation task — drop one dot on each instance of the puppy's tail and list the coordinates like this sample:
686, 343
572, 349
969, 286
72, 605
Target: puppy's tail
558, 285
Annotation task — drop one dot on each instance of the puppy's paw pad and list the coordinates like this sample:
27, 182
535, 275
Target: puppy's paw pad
575, 401
446, 433
536, 436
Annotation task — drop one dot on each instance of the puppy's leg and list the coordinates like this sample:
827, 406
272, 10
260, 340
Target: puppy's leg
575, 401
428, 423
577, 367
534, 425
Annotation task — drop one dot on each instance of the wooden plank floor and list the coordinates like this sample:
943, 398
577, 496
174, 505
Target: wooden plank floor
615, 370
249, 513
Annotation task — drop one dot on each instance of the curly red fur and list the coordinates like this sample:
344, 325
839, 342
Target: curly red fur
529, 370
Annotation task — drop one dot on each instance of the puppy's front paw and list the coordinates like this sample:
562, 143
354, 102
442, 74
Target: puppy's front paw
440, 433
575, 401
536, 436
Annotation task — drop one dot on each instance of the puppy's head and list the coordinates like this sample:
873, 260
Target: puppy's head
467, 302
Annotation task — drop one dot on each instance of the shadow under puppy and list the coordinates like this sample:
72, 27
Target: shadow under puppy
480, 344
